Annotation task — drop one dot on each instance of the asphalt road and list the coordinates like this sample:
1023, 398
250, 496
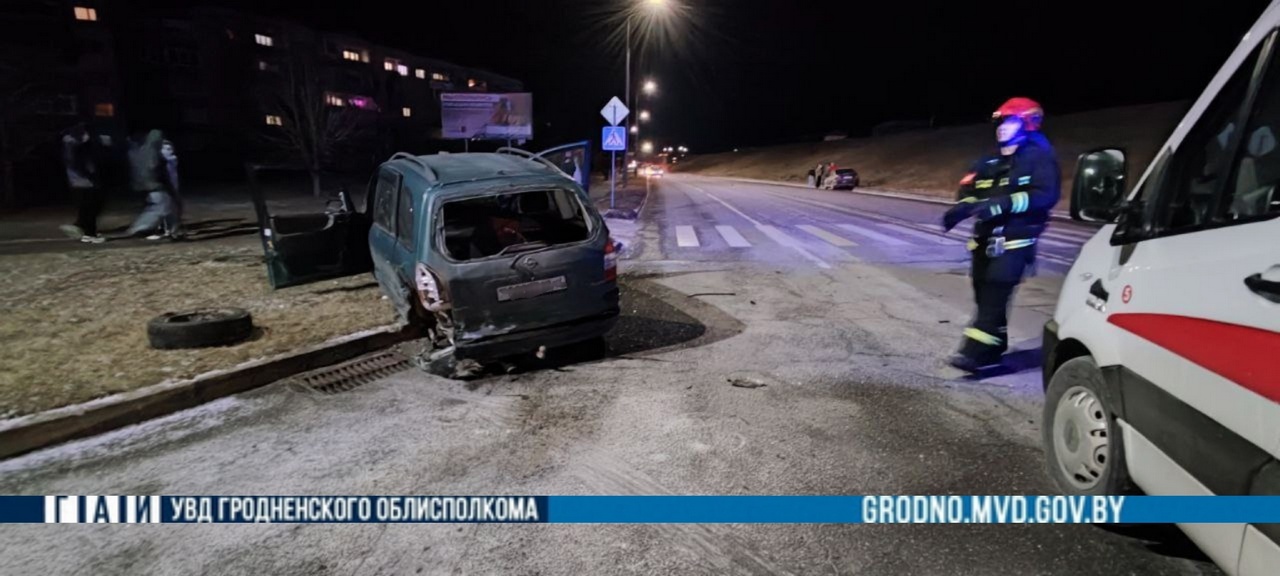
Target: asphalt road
844, 305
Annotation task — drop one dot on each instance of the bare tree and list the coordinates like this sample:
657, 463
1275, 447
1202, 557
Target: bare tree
312, 130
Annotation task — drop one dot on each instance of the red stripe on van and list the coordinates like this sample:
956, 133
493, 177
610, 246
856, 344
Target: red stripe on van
1245, 355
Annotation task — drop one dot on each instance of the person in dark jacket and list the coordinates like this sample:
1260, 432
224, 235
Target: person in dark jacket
79, 160
149, 177
1011, 195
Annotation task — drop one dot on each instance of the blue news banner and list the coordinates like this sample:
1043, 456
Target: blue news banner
642, 509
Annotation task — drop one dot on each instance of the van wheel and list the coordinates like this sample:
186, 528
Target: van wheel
1083, 446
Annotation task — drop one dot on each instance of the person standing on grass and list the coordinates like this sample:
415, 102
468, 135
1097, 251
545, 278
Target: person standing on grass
83, 179
149, 176
173, 228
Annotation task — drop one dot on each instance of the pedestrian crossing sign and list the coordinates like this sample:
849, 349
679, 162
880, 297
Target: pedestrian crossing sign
614, 138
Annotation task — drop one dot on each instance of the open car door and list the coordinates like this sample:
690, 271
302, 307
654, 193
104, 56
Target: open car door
304, 238
573, 159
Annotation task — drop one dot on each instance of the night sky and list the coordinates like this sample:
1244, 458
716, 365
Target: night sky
737, 73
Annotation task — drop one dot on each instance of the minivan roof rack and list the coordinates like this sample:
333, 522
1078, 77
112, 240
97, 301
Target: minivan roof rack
530, 155
419, 162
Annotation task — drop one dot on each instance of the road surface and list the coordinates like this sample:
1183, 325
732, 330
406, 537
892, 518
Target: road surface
843, 305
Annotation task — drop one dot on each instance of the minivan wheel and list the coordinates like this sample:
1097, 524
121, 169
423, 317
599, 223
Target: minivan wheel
1084, 449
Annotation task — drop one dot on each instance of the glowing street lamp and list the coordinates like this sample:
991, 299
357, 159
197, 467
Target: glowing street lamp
650, 86
644, 115
635, 129
647, 147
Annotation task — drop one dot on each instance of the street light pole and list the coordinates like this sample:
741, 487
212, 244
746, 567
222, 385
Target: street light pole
626, 96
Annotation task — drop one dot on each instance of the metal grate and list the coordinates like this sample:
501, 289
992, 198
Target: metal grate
351, 374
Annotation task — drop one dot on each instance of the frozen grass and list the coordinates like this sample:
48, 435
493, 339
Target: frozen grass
73, 325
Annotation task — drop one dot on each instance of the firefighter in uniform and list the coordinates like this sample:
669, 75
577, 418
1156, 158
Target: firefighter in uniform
1010, 196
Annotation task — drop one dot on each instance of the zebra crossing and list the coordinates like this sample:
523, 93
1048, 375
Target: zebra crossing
848, 235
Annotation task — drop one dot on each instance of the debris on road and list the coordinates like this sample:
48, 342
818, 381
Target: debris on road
744, 382
696, 294
200, 328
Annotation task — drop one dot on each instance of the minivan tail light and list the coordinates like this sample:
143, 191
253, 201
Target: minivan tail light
428, 288
610, 259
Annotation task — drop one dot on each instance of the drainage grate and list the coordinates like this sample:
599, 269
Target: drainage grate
351, 374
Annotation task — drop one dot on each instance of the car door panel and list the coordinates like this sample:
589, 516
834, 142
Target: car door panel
301, 248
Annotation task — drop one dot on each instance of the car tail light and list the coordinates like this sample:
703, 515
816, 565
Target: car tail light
610, 259
428, 288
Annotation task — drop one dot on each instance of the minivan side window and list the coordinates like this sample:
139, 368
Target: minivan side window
405, 231
1251, 192
384, 200
1199, 168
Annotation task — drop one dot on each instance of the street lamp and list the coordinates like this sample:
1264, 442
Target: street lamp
652, 9
650, 86
644, 115
635, 129
647, 147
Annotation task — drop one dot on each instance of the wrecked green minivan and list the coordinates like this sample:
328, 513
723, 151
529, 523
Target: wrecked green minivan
500, 253
497, 254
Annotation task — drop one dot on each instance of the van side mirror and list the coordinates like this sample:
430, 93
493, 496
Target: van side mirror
1099, 185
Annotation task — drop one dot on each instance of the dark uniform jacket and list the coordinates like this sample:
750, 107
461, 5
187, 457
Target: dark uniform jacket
1011, 197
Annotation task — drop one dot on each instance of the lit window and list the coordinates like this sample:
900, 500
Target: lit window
351, 55
104, 109
402, 70
420, 73
471, 82
265, 66
388, 64
406, 111
438, 77
263, 39
334, 100
273, 120
86, 14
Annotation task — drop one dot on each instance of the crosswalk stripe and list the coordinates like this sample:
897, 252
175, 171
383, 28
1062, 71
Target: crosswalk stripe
1058, 238
781, 238
826, 236
1050, 242
922, 235
1064, 231
732, 237
872, 234
686, 237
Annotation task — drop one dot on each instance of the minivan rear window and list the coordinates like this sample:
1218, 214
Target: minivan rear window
512, 223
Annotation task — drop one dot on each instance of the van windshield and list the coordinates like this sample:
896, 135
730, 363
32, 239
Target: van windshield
508, 223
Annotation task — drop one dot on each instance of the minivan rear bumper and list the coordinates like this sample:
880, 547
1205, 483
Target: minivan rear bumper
525, 341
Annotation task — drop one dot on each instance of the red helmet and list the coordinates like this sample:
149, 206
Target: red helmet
1026, 109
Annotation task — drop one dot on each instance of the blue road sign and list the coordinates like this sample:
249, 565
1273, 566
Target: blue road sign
614, 138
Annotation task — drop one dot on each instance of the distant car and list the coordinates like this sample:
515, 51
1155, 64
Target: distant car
655, 172
841, 179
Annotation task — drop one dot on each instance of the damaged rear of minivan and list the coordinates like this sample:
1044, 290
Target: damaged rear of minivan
500, 254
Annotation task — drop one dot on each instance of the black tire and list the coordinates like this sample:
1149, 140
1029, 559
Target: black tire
1081, 381
199, 328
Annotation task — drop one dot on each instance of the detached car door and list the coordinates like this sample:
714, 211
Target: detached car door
574, 160
306, 239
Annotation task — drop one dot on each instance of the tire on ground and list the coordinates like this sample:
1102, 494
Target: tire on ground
1114, 479
199, 328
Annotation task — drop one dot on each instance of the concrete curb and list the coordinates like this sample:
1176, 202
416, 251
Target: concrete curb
32, 432
1058, 214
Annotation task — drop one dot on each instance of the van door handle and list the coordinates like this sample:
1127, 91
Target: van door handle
1265, 288
1098, 291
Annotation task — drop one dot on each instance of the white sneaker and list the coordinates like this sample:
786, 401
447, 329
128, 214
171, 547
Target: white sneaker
155, 236
87, 239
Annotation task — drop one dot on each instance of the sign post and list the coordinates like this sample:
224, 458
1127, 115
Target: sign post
614, 138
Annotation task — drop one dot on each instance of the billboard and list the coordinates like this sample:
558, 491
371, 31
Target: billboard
468, 115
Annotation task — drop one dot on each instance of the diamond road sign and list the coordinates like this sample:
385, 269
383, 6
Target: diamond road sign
615, 111
614, 138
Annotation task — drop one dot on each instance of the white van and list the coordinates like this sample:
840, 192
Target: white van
1162, 361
